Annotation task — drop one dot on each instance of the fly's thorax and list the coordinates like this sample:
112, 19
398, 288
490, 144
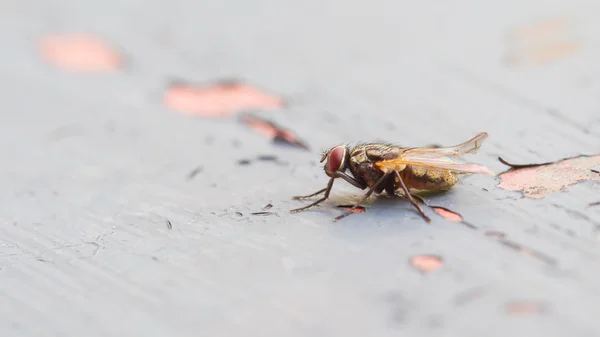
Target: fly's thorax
373, 153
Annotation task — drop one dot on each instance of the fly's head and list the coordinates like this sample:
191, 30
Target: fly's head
338, 158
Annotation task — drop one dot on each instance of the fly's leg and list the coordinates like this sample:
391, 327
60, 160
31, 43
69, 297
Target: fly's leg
327, 191
418, 197
351, 180
415, 196
342, 175
299, 197
411, 199
367, 195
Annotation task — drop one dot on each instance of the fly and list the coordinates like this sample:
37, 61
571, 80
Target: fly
390, 168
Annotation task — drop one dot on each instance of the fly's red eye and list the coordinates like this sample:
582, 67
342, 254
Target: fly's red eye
335, 158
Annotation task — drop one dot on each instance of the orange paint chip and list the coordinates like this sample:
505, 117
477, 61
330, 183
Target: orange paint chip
525, 307
543, 42
546, 54
447, 214
538, 181
219, 99
80, 52
541, 31
426, 263
358, 209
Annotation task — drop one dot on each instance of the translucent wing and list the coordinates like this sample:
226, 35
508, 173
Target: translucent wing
443, 162
443, 158
469, 147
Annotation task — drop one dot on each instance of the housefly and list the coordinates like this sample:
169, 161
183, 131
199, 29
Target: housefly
391, 168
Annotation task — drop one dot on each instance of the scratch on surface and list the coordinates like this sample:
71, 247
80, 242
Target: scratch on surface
468, 296
39, 257
577, 214
193, 173
96, 245
264, 213
495, 234
528, 251
538, 180
64, 132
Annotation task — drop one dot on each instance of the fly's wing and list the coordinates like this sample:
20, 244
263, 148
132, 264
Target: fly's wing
469, 147
446, 158
431, 160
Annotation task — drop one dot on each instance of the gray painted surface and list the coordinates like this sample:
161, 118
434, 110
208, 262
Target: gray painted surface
92, 165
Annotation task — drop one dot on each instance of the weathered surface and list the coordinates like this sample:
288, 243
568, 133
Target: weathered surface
94, 167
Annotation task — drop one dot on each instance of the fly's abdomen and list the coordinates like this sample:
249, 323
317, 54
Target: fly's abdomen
421, 178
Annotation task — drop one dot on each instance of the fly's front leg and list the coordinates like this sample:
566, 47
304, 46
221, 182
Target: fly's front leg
351, 180
411, 199
327, 191
365, 197
299, 197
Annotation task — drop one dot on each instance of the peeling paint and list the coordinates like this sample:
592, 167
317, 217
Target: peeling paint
447, 214
273, 131
358, 209
525, 307
427, 263
219, 99
538, 180
80, 53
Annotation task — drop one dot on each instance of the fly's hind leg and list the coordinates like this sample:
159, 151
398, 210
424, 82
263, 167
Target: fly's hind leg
417, 198
411, 198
